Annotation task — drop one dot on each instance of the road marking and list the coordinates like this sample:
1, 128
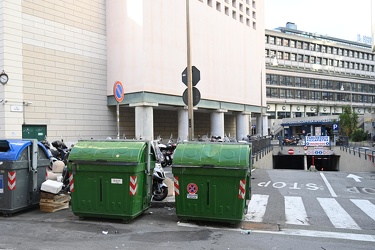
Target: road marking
295, 211
333, 194
323, 234
295, 232
336, 214
257, 208
366, 206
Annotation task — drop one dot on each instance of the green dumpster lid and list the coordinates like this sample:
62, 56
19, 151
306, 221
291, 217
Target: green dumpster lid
109, 151
212, 154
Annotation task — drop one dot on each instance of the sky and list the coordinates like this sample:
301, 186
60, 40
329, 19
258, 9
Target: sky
343, 19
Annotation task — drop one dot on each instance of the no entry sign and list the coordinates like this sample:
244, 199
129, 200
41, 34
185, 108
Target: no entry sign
290, 151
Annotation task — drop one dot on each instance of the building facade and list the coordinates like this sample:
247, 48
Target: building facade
63, 58
311, 75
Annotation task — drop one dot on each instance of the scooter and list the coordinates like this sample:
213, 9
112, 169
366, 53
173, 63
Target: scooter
167, 150
159, 188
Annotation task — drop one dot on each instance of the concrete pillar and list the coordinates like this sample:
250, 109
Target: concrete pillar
261, 121
242, 125
217, 123
183, 124
144, 121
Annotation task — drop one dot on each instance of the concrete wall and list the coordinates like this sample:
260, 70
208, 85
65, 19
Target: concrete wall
147, 48
55, 57
351, 161
264, 159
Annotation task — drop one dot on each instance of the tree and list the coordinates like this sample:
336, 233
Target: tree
348, 121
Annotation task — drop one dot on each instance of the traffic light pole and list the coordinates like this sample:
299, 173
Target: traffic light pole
189, 77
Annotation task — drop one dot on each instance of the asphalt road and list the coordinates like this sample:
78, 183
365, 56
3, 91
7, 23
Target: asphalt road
160, 228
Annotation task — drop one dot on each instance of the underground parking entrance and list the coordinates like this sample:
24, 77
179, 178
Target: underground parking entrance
321, 162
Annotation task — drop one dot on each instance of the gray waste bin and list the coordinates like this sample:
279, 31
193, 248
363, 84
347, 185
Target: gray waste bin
23, 166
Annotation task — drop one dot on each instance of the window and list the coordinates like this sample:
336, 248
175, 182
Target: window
289, 93
274, 80
305, 46
286, 42
288, 81
340, 52
286, 56
301, 94
324, 49
292, 44
299, 45
334, 51
279, 55
306, 59
318, 60
300, 58
293, 57
327, 96
278, 41
304, 82
282, 93
345, 52
274, 93
318, 49
329, 50
298, 81
324, 61
312, 47
218, 6
312, 59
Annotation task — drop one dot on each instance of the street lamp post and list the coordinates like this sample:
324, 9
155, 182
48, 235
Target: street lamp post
285, 109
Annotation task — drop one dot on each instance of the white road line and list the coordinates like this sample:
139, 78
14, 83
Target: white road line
257, 208
366, 206
333, 194
323, 234
295, 211
336, 214
295, 232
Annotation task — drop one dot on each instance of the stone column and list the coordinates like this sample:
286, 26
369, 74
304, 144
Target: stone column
183, 126
217, 123
242, 125
144, 120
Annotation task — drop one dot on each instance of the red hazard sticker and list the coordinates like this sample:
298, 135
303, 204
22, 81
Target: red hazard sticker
192, 188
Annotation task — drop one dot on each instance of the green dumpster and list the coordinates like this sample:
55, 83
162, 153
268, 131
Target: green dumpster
23, 166
110, 178
212, 181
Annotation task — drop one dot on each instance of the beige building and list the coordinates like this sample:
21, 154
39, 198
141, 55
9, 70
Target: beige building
63, 59
313, 75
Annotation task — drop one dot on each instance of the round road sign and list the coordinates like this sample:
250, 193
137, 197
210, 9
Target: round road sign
305, 147
290, 151
118, 91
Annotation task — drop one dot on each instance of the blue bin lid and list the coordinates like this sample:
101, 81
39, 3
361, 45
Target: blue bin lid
10, 150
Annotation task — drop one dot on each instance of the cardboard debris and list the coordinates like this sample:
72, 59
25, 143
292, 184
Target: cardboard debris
53, 202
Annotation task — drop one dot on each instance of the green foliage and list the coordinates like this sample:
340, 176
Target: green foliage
358, 135
348, 121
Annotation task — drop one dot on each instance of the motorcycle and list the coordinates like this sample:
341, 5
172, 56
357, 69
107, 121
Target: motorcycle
159, 188
167, 150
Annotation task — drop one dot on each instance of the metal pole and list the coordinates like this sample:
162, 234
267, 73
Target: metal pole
189, 77
261, 101
351, 97
118, 120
